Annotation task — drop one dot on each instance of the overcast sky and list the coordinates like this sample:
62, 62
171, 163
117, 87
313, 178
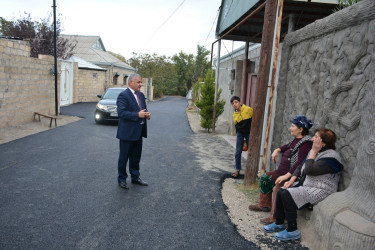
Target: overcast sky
164, 27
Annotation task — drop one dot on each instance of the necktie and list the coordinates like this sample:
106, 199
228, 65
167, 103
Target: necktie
139, 101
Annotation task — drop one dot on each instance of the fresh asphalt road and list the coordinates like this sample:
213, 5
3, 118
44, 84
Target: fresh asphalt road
59, 189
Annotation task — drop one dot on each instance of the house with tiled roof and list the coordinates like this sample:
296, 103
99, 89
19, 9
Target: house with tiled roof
93, 71
92, 50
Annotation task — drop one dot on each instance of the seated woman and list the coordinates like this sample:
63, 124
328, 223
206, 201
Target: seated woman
320, 177
293, 154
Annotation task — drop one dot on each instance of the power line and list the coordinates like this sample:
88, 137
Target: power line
218, 11
166, 20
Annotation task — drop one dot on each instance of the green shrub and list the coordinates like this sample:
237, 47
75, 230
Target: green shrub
206, 101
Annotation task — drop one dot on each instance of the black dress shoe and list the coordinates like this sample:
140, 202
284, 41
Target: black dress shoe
123, 185
140, 182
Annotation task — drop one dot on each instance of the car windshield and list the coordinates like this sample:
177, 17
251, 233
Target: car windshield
112, 93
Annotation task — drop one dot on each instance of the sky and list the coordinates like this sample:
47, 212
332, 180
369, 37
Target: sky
164, 27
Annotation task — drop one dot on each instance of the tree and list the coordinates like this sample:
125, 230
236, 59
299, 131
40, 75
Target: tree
160, 69
175, 75
39, 34
118, 56
184, 67
190, 68
341, 4
201, 64
206, 101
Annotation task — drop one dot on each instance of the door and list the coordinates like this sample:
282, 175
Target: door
251, 90
66, 83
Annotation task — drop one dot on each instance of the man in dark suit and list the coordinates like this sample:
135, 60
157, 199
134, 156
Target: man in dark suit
132, 126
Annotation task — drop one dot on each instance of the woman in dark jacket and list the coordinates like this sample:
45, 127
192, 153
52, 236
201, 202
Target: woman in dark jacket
319, 176
293, 154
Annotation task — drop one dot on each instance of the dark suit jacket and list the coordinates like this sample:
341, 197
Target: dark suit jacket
129, 124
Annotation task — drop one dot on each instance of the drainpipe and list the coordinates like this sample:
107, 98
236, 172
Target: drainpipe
216, 83
110, 74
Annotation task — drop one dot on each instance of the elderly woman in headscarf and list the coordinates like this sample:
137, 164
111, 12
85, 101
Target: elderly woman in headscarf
293, 154
319, 176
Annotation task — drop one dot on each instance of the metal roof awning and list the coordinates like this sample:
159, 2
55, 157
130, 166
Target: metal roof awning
233, 13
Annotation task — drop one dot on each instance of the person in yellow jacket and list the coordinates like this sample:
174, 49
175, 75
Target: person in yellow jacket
242, 118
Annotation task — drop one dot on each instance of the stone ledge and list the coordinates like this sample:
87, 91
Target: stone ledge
356, 223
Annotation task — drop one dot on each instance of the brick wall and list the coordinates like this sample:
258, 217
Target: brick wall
26, 84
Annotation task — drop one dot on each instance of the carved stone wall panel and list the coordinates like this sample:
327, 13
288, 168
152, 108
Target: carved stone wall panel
326, 81
328, 74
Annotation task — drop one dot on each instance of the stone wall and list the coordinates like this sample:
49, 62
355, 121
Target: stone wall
89, 84
148, 91
26, 84
328, 74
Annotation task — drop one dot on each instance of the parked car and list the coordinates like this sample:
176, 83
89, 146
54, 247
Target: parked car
106, 109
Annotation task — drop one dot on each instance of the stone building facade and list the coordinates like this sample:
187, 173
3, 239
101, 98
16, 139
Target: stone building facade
27, 84
92, 50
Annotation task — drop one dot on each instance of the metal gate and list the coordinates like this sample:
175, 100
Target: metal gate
66, 83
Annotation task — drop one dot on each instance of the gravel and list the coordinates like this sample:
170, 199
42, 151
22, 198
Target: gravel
246, 221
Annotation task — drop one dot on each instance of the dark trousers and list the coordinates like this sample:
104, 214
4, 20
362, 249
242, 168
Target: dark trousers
239, 147
286, 208
132, 151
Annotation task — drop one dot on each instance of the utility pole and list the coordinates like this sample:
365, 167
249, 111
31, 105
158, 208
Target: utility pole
55, 55
252, 162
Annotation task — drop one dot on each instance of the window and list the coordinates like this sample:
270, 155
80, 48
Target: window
115, 78
125, 81
98, 45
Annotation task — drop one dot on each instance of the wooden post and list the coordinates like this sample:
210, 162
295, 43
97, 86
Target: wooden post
273, 80
260, 99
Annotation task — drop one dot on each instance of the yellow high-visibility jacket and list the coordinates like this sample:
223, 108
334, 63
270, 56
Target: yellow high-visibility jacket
242, 120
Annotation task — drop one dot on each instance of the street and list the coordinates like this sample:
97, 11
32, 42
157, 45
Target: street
59, 187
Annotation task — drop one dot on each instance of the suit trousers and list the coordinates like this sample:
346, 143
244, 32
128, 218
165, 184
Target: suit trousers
132, 151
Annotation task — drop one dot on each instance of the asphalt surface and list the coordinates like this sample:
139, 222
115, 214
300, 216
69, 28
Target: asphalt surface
59, 188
